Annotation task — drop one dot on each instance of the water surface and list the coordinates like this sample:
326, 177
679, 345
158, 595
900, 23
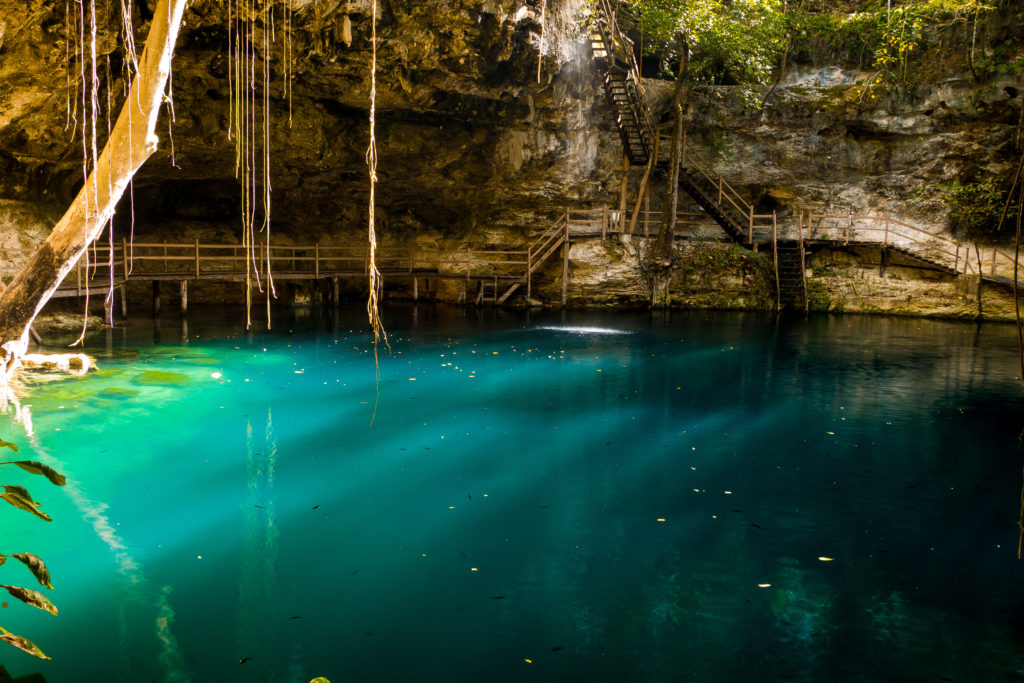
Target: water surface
552, 497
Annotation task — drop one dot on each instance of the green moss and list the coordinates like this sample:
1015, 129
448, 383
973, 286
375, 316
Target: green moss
161, 378
818, 298
118, 393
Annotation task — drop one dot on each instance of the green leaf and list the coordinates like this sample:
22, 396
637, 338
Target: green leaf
31, 597
20, 491
36, 566
34, 467
8, 444
19, 498
23, 644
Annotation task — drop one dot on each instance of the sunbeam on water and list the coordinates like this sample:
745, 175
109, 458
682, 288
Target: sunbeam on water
580, 329
605, 497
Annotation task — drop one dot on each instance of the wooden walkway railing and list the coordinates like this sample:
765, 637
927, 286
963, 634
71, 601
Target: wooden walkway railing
184, 261
885, 231
607, 221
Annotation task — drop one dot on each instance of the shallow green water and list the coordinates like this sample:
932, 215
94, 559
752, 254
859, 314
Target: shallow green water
558, 498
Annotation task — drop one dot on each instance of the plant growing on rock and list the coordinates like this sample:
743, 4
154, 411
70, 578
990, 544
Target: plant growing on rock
19, 497
975, 208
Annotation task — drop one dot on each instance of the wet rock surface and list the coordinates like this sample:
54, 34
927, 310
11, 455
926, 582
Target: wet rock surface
472, 149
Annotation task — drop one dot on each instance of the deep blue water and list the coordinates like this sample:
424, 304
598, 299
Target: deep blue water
577, 497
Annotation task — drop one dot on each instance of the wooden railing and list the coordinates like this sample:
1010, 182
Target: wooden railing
728, 198
994, 262
888, 231
883, 231
195, 260
622, 49
606, 221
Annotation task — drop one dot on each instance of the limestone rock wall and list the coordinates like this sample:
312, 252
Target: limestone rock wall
475, 152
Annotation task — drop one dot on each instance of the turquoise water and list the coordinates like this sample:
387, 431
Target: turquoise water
578, 497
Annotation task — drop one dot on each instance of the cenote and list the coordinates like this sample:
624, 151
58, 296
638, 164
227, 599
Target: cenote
559, 497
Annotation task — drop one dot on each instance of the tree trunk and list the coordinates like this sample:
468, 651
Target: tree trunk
666, 236
131, 142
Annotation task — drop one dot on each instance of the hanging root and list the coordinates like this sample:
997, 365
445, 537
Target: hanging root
372, 304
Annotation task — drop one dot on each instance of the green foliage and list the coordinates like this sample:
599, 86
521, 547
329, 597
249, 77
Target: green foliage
1005, 58
975, 207
882, 35
19, 497
735, 42
818, 297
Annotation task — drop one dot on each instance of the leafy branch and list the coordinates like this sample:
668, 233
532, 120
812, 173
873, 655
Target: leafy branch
19, 497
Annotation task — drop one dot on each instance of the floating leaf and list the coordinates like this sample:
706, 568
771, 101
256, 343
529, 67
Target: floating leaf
23, 644
8, 444
23, 502
31, 597
36, 566
33, 467
21, 491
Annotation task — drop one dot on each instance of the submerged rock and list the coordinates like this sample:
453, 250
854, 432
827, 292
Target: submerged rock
161, 378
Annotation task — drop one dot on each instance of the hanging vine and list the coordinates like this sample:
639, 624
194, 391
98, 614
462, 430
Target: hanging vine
250, 33
372, 304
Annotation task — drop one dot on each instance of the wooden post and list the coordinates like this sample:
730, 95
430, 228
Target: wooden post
156, 298
883, 259
529, 272
849, 227
165, 255
565, 267
647, 210
124, 301
415, 288
184, 297
336, 291
622, 196
993, 261
197, 257
604, 221
124, 259
885, 241
719, 189
316, 260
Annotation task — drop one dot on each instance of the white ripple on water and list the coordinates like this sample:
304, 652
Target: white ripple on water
577, 329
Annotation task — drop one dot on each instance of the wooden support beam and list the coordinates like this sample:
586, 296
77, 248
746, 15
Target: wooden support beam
622, 196
184, 297
123, 290
156, 298
565, 269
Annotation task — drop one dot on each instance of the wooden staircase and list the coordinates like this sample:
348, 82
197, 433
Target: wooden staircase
538, 252
612, 53
613, 56
699, 186
789, 270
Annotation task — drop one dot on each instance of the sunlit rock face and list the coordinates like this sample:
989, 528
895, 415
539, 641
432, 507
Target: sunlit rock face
473, 150
468, 138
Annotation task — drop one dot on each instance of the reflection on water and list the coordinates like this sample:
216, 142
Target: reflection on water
539, 497
257, 586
